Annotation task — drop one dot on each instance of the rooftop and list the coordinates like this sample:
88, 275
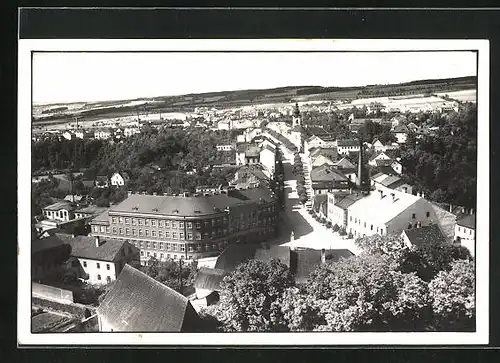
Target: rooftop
233, 255
84, 247
209, 278
281, 253
63, 204
386, 207
348, 142
468, 221
139, 303
345, 200
327, 173
425, 235
190, 206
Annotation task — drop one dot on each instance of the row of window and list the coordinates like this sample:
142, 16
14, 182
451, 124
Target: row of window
166, 255
465, 230
108, 278
98, 265
166, 223
180, 247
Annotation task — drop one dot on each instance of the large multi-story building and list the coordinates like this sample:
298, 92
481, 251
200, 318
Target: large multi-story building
190, 227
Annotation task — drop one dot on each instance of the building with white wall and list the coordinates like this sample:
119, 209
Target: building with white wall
119, 179
61, 211
387, 211
344, 147
465, 229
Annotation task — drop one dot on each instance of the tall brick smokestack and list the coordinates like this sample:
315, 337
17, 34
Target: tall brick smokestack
359, 178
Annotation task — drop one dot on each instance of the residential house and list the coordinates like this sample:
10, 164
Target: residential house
119, 179
267, 157
249, 176
103, 134
379, 156
397, 167
328, 178
130, 131
89, 211
338, 204
401, 133
139, 303
225, 147
101, 181
426, 235
320, 156
83, 134
75, 198
98, 260
378, 146
395, 211
346, 146
392, 182
465, 228
60, 211
320, 205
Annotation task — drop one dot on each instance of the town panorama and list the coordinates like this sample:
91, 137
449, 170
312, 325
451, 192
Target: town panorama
273, 210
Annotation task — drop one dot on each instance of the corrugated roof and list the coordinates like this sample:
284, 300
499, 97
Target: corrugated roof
425, 235
468, 221
190, 206
84, 247
209, 278
139, 303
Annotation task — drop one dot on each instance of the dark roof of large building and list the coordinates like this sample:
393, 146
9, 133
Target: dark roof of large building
209, 278
233, 255
425, 235
190, 206
330, 153
309, 260
468, 221
139, 303
345, 163
327, 173
84, 247
282, 253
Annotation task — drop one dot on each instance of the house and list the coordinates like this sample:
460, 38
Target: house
48, 256
378, 146
320, 156
96, 260
398, 120
378, 159
247, 154
391, 181
320, 206
446, 221
337, 205
327, 178
68, 135
267, 157
401, 133
75, 198
397, 167
233, 255
412, 127
103, 134
225, 147
101, 181
465, 228
346, 146
89, 211
249, 176
84, 134
395, 211
139, 303
119, 179
60, 211
130, 131
422, 236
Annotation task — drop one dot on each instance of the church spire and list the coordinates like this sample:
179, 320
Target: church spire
296, 111
296, 120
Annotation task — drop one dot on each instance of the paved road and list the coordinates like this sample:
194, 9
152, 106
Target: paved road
308, 233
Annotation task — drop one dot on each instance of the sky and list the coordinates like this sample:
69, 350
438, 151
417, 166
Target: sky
88, 77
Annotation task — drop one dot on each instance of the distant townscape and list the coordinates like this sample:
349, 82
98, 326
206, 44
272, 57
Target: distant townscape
295, 209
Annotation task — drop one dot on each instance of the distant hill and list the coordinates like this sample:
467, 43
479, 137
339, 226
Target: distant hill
223, 99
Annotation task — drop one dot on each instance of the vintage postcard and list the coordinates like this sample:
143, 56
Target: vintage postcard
253, 192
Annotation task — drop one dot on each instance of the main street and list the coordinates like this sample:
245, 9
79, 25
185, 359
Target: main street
308, 233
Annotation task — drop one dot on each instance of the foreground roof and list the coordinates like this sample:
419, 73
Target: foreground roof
139, 303
425, 235
327, 173
233, 255
281, 253
209, 278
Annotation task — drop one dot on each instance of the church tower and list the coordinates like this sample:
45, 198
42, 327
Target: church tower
296, 120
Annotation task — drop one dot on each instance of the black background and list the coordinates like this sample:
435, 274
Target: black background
235, 23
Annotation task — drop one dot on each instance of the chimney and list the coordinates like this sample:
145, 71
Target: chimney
129, 193
418, 194
381, 194
154, 193
97, 241
323, 256
472, 211
393, 197
359, 179
423, 195
451, 207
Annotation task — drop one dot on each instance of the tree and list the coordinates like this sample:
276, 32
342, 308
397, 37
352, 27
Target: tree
427, 260
175, 274
364, 293
301, 312
250, 296
390, 245
453, 297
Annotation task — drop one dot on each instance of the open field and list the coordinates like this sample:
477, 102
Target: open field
468, 95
